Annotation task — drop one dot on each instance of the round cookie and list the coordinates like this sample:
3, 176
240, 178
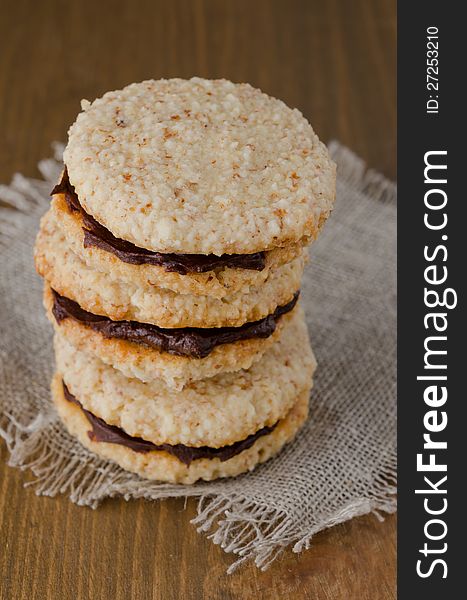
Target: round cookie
200, 166
97, 293
217, 283
213, 412
147, 364
161, 466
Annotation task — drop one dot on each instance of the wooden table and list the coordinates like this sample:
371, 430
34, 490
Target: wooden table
335, 61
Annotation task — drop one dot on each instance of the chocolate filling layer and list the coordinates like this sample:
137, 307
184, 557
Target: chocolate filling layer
194, 342
97, 235
102, 432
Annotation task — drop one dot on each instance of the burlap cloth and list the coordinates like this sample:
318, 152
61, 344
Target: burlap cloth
343, 463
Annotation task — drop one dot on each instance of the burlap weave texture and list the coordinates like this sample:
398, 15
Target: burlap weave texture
343, 462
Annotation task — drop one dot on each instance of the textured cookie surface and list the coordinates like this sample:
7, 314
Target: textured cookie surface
161, 466
97, 293
145, 363
200, 166
213, 412
218, 283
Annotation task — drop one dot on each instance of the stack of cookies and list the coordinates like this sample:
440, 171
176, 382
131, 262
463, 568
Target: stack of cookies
172, 255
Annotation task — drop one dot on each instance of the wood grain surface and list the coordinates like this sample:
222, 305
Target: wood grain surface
335, 61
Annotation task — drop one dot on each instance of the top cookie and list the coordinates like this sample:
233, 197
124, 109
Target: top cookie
200, 166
